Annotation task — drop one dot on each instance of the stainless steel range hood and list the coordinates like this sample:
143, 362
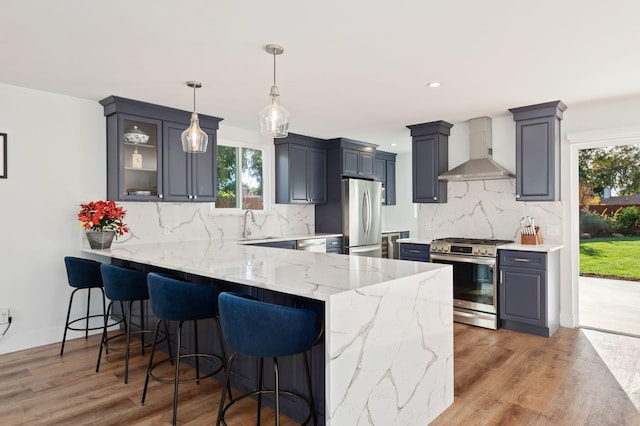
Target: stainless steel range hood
481, 165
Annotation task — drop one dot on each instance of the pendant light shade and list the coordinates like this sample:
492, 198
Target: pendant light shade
194, 139
274, 118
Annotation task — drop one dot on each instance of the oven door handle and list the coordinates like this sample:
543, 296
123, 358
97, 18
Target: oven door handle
466, 259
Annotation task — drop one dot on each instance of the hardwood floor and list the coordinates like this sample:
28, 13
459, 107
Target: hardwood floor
41, 388
509, 378
501, 378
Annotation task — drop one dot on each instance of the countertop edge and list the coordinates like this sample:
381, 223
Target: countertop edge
546, 248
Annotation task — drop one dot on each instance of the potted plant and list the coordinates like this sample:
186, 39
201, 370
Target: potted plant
102, 220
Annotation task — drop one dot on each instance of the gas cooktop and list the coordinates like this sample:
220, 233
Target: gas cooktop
478, 241
467, 246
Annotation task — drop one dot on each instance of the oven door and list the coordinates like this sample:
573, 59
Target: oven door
474, 281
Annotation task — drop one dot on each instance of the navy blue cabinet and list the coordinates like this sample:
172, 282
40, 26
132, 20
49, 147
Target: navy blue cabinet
301, 170
356, 158
538, 151
154, 167
528, 292
430, 158
188, 177
415, 252
385, 172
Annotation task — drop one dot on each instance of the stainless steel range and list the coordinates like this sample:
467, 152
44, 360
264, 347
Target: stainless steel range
475, 289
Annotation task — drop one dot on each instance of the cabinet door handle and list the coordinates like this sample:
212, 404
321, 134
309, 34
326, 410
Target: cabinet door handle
435, 198
414, 251
519, 259
160, 196
195, 197
501, 277
190, 197
517, 195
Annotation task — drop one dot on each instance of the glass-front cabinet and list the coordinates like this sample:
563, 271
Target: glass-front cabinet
145, 160
140, 155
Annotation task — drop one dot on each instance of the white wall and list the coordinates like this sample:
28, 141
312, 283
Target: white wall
56, 160
402, 216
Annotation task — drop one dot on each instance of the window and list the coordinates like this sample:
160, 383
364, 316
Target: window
240, 177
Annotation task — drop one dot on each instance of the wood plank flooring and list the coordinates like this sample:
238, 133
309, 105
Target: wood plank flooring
38, 387
501, 378
509, 378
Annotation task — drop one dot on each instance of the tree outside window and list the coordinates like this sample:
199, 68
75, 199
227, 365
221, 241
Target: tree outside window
240, 178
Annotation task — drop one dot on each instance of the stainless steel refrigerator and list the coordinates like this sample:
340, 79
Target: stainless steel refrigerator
361, 227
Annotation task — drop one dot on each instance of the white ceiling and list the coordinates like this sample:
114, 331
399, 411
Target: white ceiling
351, 68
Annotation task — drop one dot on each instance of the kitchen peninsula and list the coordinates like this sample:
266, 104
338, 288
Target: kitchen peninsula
388, 344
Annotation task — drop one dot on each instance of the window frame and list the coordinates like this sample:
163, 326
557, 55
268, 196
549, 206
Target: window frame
266, 178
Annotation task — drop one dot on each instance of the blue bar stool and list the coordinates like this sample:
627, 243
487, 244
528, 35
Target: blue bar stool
83, 274
180, 301
124, 285
260, 329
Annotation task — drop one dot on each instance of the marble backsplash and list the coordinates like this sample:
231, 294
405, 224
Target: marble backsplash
487, 209
166, 222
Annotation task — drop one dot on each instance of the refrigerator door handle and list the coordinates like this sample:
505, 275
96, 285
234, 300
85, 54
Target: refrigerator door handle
364, 212
368, 212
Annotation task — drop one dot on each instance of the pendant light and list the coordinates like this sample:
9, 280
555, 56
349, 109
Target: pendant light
194, 140
274, 119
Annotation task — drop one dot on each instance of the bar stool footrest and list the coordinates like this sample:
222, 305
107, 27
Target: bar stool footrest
109, 346
187, 380
100, 327
267, 392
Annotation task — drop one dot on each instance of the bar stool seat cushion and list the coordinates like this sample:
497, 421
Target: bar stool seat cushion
83, 273
176, 300
124, 284
265, 330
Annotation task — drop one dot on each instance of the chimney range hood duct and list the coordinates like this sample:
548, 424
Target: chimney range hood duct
481, 165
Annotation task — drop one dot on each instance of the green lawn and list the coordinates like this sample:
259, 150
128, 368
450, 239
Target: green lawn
615, 257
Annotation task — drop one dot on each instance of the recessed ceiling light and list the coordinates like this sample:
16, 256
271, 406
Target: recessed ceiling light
394, 144
433, 84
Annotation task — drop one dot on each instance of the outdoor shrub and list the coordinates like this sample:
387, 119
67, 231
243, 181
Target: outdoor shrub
628, 218
594, 223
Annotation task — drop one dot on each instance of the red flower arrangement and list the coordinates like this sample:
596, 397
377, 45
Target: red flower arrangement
103, 216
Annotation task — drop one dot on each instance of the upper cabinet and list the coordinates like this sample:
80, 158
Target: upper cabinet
430, 158
538, 151
145, 161
357, 159
385, 172
301, 170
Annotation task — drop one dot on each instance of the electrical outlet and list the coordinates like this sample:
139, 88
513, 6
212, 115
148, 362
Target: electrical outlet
4, 315
427, 226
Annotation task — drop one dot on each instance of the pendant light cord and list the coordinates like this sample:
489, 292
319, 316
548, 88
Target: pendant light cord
274, 68
194, 98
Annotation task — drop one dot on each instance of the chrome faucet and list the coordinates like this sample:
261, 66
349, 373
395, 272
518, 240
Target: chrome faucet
246, 231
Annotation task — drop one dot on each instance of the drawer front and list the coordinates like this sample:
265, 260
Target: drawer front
334, 243
523, 259
291, 245
419, 252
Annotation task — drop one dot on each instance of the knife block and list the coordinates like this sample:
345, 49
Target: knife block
532, 239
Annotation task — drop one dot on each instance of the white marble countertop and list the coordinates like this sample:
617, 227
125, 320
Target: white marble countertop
308, 274
412, 240
266, 238
546, 247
